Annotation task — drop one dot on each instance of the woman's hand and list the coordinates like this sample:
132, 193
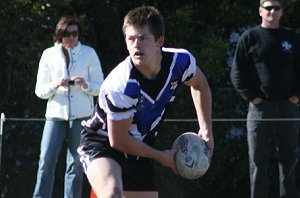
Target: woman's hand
61, 82
79, 81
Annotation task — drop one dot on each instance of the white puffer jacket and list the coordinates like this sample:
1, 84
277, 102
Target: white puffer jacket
73, 102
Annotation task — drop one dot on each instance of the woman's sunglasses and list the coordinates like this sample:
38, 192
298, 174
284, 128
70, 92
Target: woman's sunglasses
68, 34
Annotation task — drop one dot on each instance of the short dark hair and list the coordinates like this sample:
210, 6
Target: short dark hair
263, 1
62, 25
145, 15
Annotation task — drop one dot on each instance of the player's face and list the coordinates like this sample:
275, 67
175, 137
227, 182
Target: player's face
70, 38
142, 47
270, 12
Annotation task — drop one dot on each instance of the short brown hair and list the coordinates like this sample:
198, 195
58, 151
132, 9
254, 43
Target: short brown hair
145, 15
263, 1
61, 27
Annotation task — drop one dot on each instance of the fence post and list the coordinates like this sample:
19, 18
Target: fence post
1, 132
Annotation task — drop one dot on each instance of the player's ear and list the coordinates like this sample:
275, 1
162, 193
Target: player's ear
160, 41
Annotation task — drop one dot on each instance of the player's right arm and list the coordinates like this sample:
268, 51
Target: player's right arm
122, 141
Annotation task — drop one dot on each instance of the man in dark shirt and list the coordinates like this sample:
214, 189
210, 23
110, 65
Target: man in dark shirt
266, 73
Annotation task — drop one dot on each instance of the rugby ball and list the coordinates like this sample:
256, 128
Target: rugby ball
192, 157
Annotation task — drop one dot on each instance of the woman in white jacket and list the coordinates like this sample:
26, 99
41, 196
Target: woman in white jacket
69, 76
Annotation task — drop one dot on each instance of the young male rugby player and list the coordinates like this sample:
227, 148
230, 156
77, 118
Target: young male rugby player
116, 144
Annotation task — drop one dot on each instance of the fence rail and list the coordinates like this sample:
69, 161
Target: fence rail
13, 165
4, 119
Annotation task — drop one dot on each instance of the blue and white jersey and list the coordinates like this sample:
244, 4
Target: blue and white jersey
126, 93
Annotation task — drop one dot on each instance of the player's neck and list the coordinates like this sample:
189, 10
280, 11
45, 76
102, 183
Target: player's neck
150, 71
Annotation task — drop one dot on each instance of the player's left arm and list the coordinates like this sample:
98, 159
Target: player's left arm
202, 99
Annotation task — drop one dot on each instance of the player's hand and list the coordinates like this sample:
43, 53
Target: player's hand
208, 138
168, 159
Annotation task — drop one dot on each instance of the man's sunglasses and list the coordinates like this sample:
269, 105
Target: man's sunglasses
269, 8
68, 34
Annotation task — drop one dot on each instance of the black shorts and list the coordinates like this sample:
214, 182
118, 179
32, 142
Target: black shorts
137, 173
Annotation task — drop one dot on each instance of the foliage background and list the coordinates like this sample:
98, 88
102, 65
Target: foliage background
203, 27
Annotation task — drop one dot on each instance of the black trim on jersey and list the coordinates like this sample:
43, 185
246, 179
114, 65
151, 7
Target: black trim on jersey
94, 122
189, 77
153, 86
114, 108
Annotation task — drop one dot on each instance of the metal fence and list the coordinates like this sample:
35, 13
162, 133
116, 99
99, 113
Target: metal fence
3, 119
227, 177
